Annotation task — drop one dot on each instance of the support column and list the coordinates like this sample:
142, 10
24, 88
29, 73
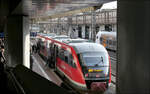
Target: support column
83, 26
133, 64
69, 26
93, 26
58, 26
90, 32
26, 42
83, 31
17, 40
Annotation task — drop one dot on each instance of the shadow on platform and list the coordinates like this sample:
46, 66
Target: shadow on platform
21, 80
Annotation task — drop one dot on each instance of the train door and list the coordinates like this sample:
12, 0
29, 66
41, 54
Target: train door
42, 47
55, 54
52, 52
103, 40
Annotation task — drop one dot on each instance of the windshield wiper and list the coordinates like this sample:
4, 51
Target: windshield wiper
100, 61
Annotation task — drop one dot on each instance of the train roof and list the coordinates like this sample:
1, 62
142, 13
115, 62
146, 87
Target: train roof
49, 35
88, 47
78, 40
107, 33
61, 37
82, 47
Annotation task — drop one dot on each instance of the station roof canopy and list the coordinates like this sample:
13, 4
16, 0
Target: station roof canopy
46, 9
59, 8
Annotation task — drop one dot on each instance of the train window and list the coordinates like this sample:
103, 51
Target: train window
56, 50
73, 64
79, 58
42, 45
101, 40
61, 54
95, 59
66, 56
110, 42
71, 61
47, 44
107, 41
66, 59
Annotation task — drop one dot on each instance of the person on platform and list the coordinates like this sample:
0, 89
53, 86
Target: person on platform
2, 58
31, 58
2, 64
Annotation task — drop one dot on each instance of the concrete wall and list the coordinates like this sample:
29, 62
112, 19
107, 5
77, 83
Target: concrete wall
17, 40
133, 64
14, 47
26, 42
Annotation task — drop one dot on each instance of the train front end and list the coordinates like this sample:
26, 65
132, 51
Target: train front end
96, 67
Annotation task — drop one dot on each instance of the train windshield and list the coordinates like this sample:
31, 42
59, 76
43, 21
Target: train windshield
95, 59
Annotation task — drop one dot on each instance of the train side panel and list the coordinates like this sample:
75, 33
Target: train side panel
107, 39
71, 70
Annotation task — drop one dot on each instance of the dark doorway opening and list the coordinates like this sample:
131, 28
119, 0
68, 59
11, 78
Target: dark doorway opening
79, 32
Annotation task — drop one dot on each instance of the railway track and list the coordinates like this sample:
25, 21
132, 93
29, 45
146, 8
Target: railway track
112, 58
113, 65
113, 79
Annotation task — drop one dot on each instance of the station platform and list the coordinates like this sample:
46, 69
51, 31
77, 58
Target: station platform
21, 80
40, 68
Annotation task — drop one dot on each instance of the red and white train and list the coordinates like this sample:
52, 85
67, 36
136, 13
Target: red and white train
84, 65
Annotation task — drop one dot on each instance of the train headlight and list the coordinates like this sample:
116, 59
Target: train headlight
97, 75
86, 75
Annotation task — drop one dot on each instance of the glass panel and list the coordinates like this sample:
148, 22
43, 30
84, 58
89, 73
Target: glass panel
95, 59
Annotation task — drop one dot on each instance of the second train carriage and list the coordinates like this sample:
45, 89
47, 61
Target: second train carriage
107, 39
82, 64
